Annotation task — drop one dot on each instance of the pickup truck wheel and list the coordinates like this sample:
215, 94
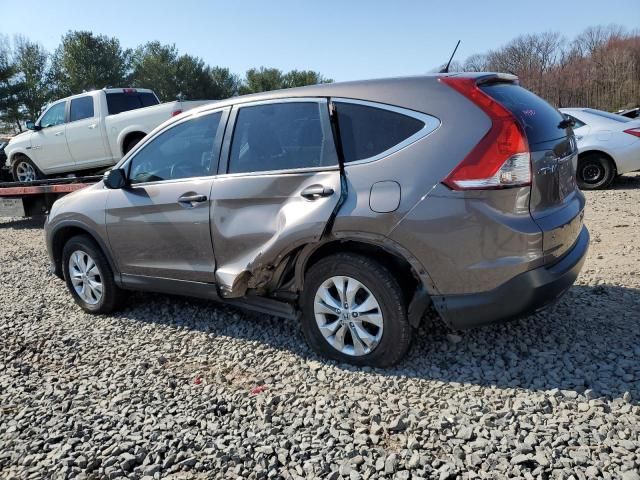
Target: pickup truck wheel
595, 172
89, 277
24, 170
354, 311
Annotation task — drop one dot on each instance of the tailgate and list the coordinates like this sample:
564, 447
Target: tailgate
556, 204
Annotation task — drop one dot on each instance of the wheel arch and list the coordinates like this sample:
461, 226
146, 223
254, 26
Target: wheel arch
597, 151
63, 233
414, 280
13, 157
128, 136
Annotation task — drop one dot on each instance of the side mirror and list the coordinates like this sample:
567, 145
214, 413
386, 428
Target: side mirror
32, 126
115, 179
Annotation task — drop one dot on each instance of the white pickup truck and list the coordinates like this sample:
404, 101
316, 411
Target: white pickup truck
88, 131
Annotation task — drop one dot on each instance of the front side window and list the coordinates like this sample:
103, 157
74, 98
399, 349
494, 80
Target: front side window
282, 136
183, 151
81, 108
367, 131
54, 116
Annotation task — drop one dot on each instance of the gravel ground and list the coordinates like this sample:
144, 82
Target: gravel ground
180, 388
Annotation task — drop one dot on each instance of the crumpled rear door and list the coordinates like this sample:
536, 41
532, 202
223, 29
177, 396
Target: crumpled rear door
258, 217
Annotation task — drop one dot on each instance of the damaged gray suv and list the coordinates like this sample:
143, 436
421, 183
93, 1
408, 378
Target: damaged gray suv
353, 207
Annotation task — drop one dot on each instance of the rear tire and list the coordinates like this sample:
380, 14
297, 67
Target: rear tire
89, 277
24, 170
595, 172
364, 282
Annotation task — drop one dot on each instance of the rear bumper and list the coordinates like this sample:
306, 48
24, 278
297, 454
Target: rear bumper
523, 295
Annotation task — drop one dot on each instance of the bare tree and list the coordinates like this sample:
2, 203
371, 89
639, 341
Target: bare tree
600, 68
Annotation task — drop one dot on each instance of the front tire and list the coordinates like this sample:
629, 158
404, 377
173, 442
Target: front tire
24, 170
89, 277
595, 172
354, 311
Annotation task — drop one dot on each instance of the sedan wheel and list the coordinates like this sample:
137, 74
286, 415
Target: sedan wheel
348, 316
595, 172
85, 277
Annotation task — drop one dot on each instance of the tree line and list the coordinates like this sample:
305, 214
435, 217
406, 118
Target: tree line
31, 77
599, 68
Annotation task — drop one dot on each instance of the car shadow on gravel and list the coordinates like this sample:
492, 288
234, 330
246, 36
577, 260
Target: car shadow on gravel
626, 182
22, 223
590, 340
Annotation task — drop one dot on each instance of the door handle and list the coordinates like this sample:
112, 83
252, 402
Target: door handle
316, 191
192, 200
59, 134
92, 126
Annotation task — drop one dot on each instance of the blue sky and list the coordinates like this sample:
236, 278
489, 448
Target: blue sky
345, 40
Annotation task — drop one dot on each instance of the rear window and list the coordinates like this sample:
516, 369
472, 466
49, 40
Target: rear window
368, 131
119, 102
610, 116
539, 119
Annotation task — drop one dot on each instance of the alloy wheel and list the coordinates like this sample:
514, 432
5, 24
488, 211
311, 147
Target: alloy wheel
25, 172
86, 277
348, 316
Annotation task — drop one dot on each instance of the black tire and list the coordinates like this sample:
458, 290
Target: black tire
112, 296
396, 332
130, 143
22, 164
595, 172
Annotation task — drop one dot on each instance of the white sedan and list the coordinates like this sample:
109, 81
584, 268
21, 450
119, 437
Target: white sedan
609, 145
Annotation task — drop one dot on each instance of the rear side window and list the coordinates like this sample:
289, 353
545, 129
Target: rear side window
610, 116
576, 123
282, 136
81, 108
367, 131
539, 119
118, 102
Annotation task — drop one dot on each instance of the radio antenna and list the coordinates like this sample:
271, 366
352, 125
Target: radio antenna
446, 69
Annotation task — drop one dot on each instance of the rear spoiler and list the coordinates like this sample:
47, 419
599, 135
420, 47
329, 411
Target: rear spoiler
498, 78
486, 78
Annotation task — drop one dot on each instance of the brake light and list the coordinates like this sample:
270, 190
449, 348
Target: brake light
129, 90
176, 112
501, 159
633, 131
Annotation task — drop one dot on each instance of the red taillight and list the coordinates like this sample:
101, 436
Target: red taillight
129, 90
633, 131
176, 112
501, 159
